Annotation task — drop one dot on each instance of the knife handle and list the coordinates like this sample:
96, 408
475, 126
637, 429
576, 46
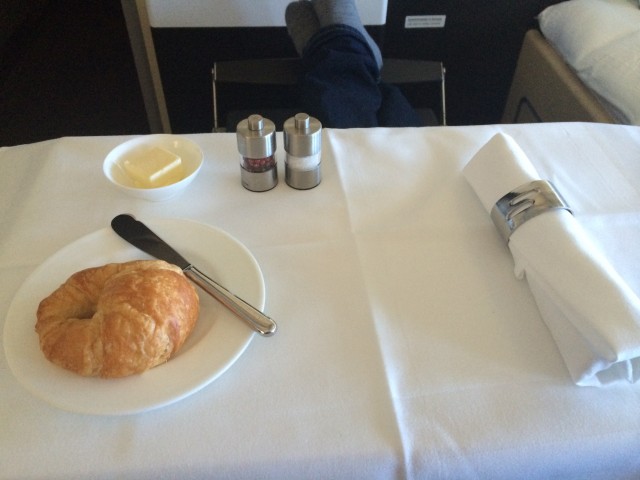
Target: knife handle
255, 318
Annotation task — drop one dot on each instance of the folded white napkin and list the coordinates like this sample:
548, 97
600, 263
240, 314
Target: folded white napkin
592, 313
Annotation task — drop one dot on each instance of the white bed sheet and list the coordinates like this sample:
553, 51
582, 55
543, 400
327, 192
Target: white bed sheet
600, 40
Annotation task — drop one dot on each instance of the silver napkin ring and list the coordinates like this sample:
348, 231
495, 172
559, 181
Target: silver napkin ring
524, 203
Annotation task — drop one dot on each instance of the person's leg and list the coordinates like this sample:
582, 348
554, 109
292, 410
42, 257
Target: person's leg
345, 12
395, 110
341, 84
302, 23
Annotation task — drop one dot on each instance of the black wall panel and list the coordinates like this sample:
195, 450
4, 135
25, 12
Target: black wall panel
186, 57
479, 46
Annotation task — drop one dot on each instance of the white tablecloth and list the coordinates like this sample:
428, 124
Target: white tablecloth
406, 347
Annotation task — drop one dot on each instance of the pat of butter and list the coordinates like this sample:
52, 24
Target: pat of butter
154, 168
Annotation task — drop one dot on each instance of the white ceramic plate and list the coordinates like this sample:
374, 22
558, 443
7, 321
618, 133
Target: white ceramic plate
216, 342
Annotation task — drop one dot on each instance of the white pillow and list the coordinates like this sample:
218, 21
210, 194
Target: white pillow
578, 27
614, 74
600, 40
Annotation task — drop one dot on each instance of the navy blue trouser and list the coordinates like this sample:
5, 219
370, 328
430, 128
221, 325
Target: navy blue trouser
341, 84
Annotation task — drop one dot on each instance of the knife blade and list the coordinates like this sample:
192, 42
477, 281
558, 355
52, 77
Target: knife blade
139, 235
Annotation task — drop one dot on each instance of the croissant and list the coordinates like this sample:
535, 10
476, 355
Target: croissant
119, 319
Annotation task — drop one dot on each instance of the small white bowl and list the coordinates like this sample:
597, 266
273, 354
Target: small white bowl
189, 152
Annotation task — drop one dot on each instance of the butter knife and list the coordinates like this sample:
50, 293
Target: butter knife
142, 237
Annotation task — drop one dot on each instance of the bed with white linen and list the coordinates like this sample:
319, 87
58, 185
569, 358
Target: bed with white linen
582, 64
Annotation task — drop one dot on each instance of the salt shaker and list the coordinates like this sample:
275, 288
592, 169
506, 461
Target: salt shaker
256, 138
303, 144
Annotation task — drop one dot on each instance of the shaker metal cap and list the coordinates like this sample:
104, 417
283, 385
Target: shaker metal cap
302, 135
256, 137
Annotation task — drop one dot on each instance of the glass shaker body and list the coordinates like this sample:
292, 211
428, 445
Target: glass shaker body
257, 146
303, 144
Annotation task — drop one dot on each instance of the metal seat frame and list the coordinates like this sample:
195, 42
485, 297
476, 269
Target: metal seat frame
285, 72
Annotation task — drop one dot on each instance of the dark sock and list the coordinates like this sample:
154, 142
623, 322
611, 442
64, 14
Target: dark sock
345, 12
302, 23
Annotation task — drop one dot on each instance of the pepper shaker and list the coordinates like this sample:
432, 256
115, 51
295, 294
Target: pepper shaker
256, 137
303, 144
